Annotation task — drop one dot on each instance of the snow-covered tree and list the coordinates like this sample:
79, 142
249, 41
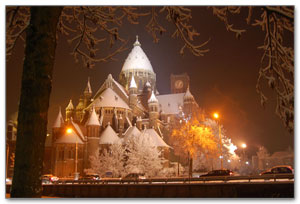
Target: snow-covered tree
108, 160
204, 160
194, 138
143, 156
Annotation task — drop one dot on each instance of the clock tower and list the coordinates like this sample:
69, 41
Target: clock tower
179, 83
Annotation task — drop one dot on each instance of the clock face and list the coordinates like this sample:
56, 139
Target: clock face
178, 84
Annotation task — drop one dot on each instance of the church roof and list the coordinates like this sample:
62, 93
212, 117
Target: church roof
59, 120
70, 106
88, 88
93, 119
77, 129
131, 131
109, 98
188, 94
152, 98
137, 59
170, 103
69, 138
113, 84
158, 141
109, 136
132, 83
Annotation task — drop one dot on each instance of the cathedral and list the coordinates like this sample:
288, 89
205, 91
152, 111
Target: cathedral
119, 108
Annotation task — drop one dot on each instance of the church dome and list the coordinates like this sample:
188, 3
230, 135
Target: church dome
137, 59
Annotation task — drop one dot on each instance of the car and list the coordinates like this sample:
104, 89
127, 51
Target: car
280, 169
91, 177
49, 179
218, 172
135, 176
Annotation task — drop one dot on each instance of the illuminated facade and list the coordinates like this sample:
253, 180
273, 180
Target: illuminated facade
109, 115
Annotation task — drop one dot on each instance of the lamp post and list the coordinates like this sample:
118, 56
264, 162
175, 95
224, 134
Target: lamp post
216, 116
244, 146
76, 176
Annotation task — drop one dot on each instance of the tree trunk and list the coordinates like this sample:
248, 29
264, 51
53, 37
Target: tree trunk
34, 101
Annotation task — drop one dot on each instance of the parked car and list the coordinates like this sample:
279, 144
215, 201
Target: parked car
281, 169
89, 177
135, 176
219, 172
49, 179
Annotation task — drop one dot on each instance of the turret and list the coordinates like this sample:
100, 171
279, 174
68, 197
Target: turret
93, 131
153, 110
79, 109
188, 102
132, 94
57, 130
69, 111
146, 94
87, 93
121, 126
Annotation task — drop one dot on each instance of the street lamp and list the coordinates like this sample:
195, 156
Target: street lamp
216, 116
69, 131
244, 146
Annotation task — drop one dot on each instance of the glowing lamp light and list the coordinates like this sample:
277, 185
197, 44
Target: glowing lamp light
247, 162
69, 130
216, 115
228, 161
244, 145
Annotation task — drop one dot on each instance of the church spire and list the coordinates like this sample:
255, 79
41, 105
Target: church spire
152, 98
188, 94
70, 105
132, 83
93, 119
88, 88
59, 120
137, 43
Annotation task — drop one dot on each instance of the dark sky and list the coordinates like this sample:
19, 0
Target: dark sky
223, 80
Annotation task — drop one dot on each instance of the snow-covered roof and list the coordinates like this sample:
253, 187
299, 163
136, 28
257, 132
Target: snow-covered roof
109, 98
188, 94
158, 141
132, 83
59, 120
113, 84
69, 138
152, 98
77, 129
131, 131
70, 105
137, 59
109, 136
88, 88
93, 119
148, 84
170, 103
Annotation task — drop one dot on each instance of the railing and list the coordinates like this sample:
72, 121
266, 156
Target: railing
269, 178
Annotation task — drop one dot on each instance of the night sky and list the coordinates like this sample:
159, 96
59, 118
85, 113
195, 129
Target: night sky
223, 80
